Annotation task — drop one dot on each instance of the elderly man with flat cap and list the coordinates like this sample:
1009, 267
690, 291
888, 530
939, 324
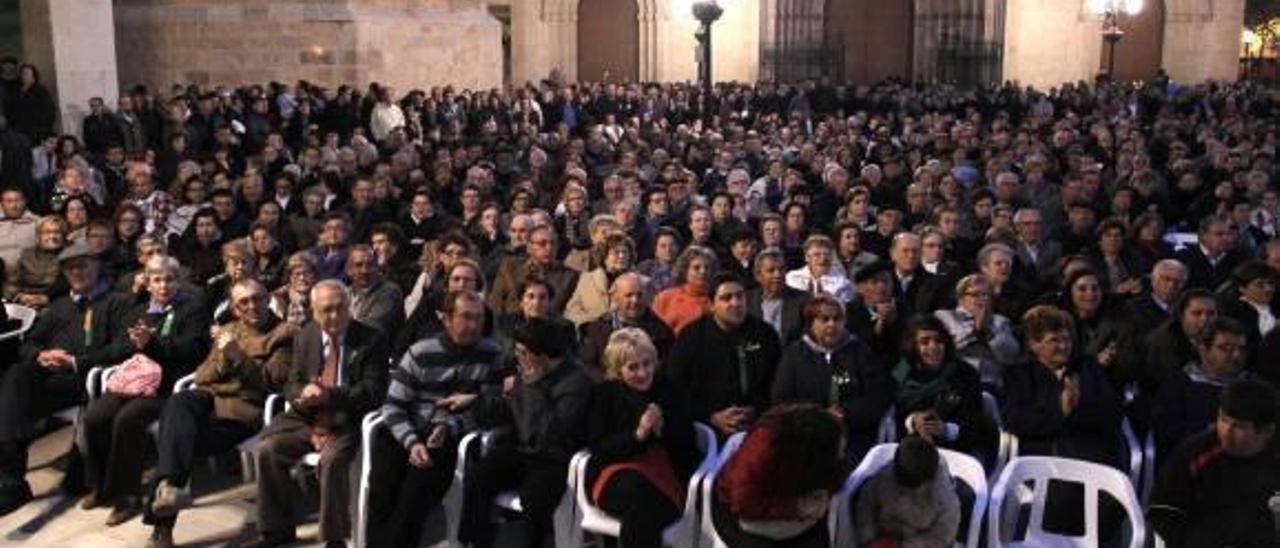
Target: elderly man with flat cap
78, 331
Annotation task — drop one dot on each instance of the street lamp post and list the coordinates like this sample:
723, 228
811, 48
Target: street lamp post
1111, 33
1110, 11
706, 12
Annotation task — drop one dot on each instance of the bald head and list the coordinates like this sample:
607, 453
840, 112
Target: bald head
626, 297
905, 252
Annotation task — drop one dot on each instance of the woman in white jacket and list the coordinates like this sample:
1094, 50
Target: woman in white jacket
821, 273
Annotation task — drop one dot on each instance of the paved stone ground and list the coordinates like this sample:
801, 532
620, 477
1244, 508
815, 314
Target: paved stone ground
223, 514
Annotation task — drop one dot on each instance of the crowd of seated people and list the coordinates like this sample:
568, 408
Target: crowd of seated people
600, 266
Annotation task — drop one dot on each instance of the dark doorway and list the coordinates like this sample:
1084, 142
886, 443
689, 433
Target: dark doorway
608, 40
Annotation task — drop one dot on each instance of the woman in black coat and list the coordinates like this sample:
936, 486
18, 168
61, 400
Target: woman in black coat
642, 440
834, 369
1102, 331
33, 111
171, 329
1058, 404
939, 397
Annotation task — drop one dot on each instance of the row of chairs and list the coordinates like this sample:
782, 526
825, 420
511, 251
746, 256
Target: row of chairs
1139, 456
1023, 481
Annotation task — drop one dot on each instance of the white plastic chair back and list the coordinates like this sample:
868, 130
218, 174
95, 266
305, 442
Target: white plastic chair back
26, 317
590, 518
562, 517
1179, 240
1096, 479
840, 519
710, 538
368, 428
991, 408
961, 466
888, 432
1131, 452
187, 382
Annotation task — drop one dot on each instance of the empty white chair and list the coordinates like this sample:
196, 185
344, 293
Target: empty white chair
1096, 479
590, 518
962, 467
710, 538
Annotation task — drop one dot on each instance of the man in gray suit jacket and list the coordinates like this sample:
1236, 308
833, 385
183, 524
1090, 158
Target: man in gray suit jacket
1035, 254
340, 372
779, 306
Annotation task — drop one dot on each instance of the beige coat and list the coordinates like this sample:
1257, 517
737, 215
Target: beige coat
15, 236
590, 298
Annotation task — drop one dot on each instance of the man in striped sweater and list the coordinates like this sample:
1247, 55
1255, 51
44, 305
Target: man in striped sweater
427, 410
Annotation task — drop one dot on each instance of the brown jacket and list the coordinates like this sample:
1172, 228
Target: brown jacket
241, 388
504, 298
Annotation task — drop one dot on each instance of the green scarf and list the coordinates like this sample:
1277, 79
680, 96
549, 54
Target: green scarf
913, 391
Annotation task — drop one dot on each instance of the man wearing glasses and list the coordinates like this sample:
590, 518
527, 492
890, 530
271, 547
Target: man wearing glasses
251, 358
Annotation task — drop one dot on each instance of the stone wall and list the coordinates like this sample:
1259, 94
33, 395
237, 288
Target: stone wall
1202, 39
407, 43
1048, 42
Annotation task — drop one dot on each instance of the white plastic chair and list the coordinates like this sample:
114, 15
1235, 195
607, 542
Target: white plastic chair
589, 518
991, 408
368, 428
1148, 466
1096, 478
961, 466
26, 317
248, 466
562, 518
710, 538
1132, 452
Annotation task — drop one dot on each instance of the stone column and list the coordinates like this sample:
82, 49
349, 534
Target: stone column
73, 44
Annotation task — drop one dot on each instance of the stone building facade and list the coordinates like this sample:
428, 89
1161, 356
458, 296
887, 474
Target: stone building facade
88, 48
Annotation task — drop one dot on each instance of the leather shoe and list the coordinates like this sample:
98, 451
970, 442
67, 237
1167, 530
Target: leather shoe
125, 510
91, 501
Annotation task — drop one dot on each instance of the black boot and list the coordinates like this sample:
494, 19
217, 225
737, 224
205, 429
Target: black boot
73, 480
14, 491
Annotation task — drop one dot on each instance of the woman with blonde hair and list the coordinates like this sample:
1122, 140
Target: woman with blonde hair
641, 437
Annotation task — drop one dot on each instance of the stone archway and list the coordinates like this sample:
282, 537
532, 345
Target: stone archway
608, 40
877, 37
1139, 53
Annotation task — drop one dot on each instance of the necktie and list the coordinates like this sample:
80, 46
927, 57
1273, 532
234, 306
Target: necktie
329, 375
